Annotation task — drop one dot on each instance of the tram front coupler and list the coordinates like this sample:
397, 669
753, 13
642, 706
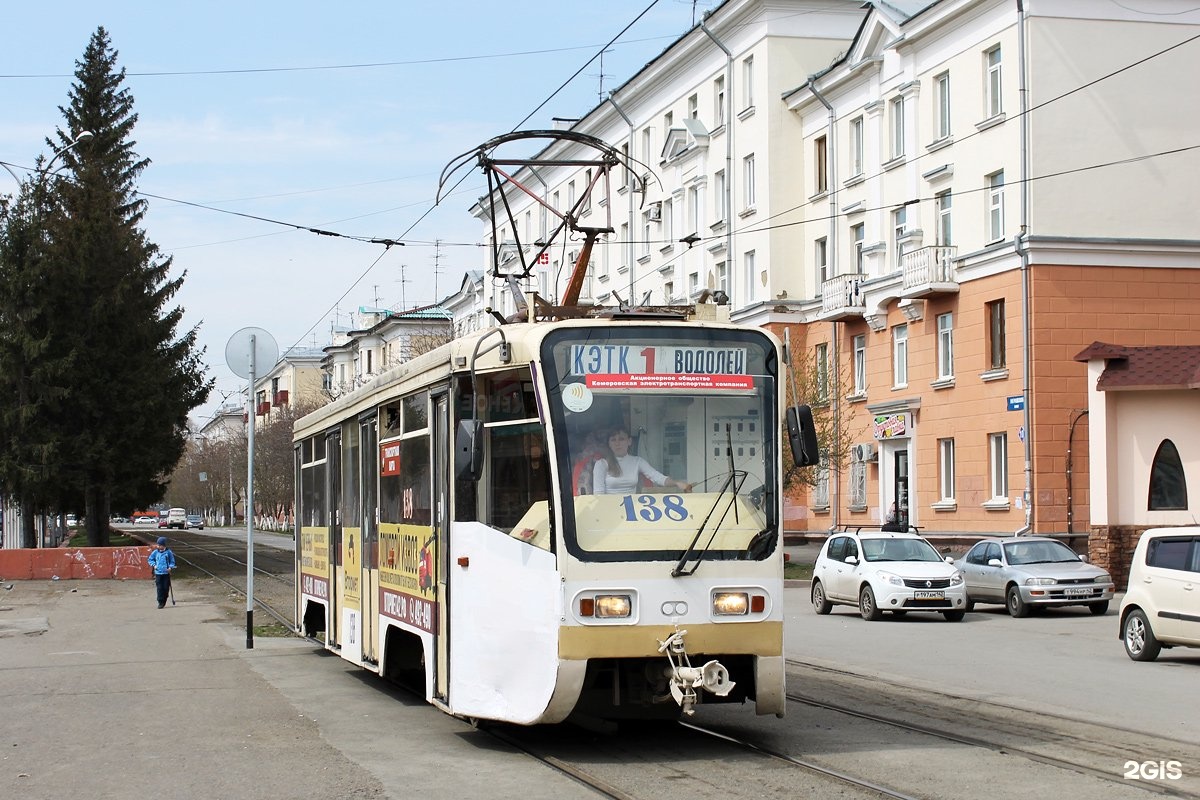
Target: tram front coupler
684, 678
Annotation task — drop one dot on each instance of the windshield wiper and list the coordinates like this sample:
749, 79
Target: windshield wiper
735, 480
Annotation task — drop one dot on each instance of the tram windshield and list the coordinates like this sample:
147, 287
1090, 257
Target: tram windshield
665, 440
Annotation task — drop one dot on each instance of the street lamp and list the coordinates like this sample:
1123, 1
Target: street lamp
80, 138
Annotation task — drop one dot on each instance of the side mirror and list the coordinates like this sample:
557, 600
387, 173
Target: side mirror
995, 562
851, 559
468, 450
1084, 558
949, 559
803, 436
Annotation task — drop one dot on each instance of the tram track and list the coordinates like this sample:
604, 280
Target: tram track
1060, 741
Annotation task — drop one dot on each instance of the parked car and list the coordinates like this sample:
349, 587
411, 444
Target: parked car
162, 519
1026, 572
1162, 605
145, 520
177, 518
895, 572
195, 521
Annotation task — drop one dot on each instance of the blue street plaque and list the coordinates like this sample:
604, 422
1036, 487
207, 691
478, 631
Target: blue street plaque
1016, 402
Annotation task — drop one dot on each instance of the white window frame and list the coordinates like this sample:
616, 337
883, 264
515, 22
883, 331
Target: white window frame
748, 81
858, 235
821, 260
820, 492
647, 233
946, 470
720, 196
624, 248
695, 210
945, 345
748, 183
997, 335
857, 147
998, 466
995, 206
821, 164
719, 101
748, 269
993, 85
858, 485
722, 273
899, 231
859, 348
941, 86
693, 106
900, 356
647, 145
668, 222
898, 138
943, 201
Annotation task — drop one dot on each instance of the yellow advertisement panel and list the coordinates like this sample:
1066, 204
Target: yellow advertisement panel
314, 562
407, 581
608, 522
352, 566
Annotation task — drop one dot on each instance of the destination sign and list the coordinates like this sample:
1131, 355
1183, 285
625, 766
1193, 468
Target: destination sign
627, 360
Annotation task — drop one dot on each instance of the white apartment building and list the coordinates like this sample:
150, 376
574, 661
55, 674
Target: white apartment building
296, 378
719, 147
381, 339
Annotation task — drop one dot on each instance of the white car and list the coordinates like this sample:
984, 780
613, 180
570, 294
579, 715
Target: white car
896, 572
1162, 605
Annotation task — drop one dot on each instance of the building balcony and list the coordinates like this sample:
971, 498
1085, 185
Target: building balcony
280, 398
842, 298
929, 271
263, 409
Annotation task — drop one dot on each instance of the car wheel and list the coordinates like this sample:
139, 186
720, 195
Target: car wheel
1098, 609
970, 606
866, 605
954, 616
1140, 642
1016, 605
820, 603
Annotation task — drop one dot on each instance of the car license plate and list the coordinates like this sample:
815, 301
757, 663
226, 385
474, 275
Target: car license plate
922, 594
1074, 591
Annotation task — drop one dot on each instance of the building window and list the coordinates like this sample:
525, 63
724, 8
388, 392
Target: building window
695, 208
624, 245
821, 259
859, 345
1168, 485
822, 365
857, 234
748, 180
941, 85
995, 194
722, 277
668, 221
821, 164
719, 100
998, 452
694, 107
748, 81
898, 127
857, 146
668, 291
942, 204
946, 469
858, 484
899, 356
749, 277
996, 347
720, 196
587, 187
993, 83
668, 121
899, 231
644, 244
626, 172
820, 492
945, 346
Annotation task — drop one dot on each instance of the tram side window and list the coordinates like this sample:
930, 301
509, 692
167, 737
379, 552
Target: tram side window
516, 468
405, 490
313, 502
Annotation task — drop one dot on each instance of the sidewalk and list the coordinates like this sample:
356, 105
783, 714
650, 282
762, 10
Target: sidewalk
106, 696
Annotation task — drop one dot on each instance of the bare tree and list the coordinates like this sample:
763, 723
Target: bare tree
822, 386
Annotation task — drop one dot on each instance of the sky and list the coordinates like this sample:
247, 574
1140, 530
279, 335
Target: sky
338, 117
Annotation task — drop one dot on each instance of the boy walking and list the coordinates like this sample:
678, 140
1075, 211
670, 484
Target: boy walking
162, 561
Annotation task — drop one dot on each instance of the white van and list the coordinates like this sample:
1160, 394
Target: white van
1162, 605
177, 518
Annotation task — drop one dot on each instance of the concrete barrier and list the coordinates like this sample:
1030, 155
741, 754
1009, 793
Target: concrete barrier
75, 563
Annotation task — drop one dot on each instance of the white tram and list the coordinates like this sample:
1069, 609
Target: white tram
453, 535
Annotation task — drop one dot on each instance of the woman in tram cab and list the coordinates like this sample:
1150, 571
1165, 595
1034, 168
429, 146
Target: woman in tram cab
618, 472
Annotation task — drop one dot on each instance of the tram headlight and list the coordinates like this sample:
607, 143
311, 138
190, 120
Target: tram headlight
613, 606
731, 604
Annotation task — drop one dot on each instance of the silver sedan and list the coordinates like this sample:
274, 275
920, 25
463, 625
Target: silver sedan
1028, 571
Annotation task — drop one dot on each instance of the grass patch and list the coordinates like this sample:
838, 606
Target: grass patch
798, 572
78, 538
274, 630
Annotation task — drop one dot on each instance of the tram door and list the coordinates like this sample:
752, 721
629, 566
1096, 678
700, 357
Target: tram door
369, 586
333, 495
441, 531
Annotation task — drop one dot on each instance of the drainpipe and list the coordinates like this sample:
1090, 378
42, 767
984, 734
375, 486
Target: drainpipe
831, 251
628, 190
729, 128
1020, 244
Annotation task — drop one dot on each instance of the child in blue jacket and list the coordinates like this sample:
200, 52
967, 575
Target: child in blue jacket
162, 561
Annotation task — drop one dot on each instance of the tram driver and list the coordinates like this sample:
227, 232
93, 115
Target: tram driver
619, 471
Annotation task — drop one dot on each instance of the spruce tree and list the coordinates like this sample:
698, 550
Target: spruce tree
123, 380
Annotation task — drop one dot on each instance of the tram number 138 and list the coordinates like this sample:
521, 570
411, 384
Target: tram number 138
654, 508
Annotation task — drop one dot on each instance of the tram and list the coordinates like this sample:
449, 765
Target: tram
454, 535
